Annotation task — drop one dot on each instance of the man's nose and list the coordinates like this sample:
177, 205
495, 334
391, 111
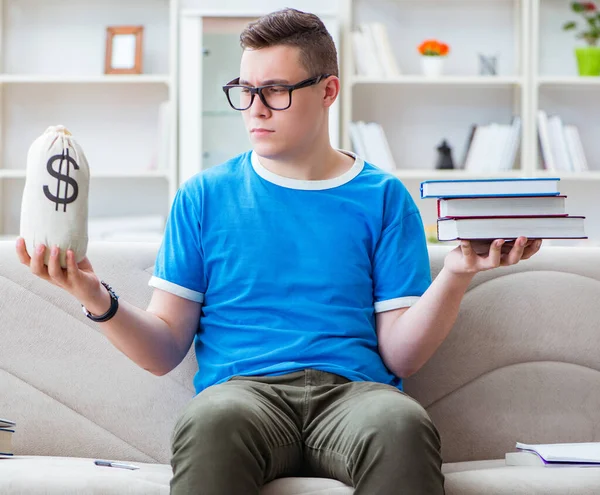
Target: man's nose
258, 108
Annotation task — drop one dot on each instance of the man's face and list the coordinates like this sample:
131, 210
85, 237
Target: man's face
275, 134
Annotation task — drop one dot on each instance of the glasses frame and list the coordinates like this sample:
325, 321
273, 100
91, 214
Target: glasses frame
258, 90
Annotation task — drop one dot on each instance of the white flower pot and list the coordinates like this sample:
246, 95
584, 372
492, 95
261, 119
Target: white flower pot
432, 66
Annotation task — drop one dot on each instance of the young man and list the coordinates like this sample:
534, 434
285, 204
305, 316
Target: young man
301, 273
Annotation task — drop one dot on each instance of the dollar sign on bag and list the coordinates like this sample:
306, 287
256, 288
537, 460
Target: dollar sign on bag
60, 178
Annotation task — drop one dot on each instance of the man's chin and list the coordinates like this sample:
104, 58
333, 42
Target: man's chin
267, 150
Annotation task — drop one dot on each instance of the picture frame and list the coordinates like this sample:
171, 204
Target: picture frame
124, 46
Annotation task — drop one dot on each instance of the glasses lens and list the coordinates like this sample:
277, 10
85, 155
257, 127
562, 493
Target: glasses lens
277, 97
240, 97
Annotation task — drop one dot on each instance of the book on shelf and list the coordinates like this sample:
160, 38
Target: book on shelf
498, 206
370, 143
496, 227
557, 454
6, 433
372, 51
525, 186
492, 147
560, 145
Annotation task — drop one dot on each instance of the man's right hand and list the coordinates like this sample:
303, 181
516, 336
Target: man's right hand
78, 279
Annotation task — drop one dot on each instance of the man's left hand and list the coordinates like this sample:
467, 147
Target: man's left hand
476, 256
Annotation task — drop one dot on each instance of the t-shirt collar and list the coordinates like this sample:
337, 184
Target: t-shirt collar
309, 185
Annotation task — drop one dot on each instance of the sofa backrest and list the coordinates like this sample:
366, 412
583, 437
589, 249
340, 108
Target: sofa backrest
521, 363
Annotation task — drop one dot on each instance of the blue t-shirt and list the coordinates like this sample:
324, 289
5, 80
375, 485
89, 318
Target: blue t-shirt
290, 272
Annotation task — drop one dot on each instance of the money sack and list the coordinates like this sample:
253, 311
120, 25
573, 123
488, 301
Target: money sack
54, 208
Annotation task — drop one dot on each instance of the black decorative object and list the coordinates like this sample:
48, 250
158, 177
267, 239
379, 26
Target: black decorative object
444, 161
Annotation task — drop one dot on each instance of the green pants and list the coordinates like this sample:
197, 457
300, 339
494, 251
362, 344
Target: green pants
234, 437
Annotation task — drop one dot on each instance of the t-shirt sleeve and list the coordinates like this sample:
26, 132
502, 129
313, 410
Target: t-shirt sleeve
179, 266
401, 268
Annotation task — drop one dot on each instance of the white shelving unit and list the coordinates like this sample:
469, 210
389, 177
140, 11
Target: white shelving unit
536, 69
418, 112
52, 72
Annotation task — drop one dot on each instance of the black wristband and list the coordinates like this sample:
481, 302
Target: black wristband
114, 305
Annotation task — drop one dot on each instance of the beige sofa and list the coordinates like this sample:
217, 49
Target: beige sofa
521, 364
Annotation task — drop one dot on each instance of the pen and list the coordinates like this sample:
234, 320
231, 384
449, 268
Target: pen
122, 465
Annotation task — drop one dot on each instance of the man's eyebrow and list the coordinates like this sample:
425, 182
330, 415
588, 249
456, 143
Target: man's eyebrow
265, 83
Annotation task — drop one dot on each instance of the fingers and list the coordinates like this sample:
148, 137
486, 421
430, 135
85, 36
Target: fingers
516, 252
72, 269
22, 251
466, 248
37, 263
531, 249
54, 269
495, 256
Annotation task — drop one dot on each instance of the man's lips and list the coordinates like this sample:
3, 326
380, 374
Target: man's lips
260, 130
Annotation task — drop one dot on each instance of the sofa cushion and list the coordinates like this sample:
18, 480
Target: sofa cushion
36, 475
496, 478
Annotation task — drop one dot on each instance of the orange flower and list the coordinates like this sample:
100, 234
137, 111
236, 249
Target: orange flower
433, 47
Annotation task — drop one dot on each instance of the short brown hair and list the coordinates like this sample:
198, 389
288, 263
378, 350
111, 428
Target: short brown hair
295, 28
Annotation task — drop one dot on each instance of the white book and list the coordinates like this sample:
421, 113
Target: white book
478, 151
498, 144
512, 145
384, 49
373, 60
390, 164
585, 452
545, 146
360, 54
575, 148
559, 145
377, 147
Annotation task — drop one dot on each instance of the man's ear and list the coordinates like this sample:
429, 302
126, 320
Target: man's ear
332, 90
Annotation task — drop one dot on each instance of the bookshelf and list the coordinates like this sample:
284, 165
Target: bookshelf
52, 72
536, 70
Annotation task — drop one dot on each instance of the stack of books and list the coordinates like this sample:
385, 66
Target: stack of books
7, 429
487, 209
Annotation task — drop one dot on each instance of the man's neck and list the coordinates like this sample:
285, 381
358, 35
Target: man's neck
318, 163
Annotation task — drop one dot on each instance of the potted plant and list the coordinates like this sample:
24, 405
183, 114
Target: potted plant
588, 57
433, 53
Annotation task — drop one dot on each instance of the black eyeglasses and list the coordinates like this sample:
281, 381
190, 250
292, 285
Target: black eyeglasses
274, 96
